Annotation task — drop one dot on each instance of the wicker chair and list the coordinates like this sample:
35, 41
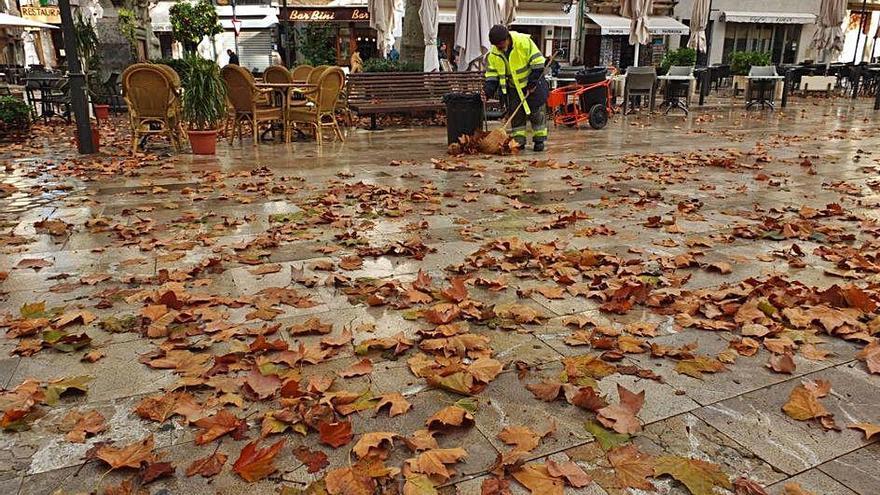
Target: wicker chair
301, 73
277, 74
315, 74
244, 96
177, 90
322, 111
149, 94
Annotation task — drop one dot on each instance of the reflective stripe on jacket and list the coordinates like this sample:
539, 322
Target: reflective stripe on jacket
524, 57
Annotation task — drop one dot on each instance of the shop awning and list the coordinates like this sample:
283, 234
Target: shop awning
615, 25
768, 17
160, 18
523, 18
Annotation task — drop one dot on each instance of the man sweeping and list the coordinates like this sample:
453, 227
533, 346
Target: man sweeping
516, 67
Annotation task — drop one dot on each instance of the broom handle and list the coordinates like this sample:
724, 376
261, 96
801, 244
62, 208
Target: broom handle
521, 102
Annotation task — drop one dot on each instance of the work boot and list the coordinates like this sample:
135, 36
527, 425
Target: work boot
539, 146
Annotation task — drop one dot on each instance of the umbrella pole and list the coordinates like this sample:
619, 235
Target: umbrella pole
636, 55
76, 78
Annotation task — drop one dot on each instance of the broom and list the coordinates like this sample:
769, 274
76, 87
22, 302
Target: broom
493, 142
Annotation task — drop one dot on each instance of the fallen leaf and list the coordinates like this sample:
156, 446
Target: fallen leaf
131, 455
207, 466
152, 471
538, 480
744, 486
793, 488
314, 460
521, 437
867, 428
335, 434
700, 477
374, 441
214, 427
254, 464
573, 474
632, 467
398, 403
80, 425
362, 367
622, 417
782, 363
433, 462
449, 416
870, 354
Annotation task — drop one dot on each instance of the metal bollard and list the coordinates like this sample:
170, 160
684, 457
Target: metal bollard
784, 91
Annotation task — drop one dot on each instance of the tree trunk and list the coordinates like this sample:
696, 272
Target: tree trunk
412, 42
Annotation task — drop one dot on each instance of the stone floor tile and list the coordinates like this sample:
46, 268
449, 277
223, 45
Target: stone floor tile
857, 470
816, 482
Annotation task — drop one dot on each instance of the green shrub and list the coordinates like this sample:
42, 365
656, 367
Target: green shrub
204, 95
741, 62
192, 21
316, 44
14, 113
385, 65
682, 56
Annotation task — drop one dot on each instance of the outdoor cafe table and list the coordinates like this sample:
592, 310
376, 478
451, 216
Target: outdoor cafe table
672, 99
285, 90
45, 84
766, 90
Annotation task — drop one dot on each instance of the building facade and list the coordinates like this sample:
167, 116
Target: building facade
783, 28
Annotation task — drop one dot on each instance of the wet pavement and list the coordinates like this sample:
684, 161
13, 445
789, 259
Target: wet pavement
114, 235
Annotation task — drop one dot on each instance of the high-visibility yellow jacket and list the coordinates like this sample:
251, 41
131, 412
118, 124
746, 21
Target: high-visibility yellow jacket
513, 69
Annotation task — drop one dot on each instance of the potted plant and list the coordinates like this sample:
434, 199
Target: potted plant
15, 116
192, 21
742, 62
683, 56
87, 46
204, 103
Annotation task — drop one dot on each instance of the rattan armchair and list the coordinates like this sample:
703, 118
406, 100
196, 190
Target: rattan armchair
148, 91
301, 73
245, 96
321, 112
277, 74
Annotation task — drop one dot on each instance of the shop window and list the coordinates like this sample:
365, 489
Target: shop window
780, 40
562, 41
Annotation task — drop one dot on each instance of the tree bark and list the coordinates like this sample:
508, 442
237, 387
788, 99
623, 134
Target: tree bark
412, 42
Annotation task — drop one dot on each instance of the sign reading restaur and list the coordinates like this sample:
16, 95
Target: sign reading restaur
49, 15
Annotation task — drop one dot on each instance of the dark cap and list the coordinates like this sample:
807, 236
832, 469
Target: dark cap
498, 33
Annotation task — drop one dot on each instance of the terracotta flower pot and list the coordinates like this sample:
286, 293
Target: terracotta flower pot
203, 142
102, 112
96, 137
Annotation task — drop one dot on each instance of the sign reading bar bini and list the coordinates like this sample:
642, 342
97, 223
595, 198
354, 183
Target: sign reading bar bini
327, 14
48, 15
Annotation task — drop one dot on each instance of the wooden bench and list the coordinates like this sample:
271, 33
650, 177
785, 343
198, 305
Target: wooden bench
372, 93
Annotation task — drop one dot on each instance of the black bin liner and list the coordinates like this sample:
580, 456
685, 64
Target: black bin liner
595, 96
464, 115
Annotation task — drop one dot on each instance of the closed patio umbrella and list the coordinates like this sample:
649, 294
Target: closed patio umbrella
507, 11
637, 11
9, 20
382, 20
699, 22
473, 19
829, 30
428, 14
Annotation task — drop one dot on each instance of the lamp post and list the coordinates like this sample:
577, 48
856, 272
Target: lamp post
76, 81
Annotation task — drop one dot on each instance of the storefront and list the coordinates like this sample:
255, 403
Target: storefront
785, 33
550, 23
256, 35
607, 40
43, 46
339, 30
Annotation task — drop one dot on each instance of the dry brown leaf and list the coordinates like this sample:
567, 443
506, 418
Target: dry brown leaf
131, 455
521, 437
632, 467
622, 417
571, 472
373, 443
207, 466
433, 462
398, 403
538, 480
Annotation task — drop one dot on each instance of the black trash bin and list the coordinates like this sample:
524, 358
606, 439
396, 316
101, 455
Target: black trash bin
595, 96
464, 115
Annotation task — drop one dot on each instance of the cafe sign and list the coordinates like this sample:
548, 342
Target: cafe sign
48, 15
327, 14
